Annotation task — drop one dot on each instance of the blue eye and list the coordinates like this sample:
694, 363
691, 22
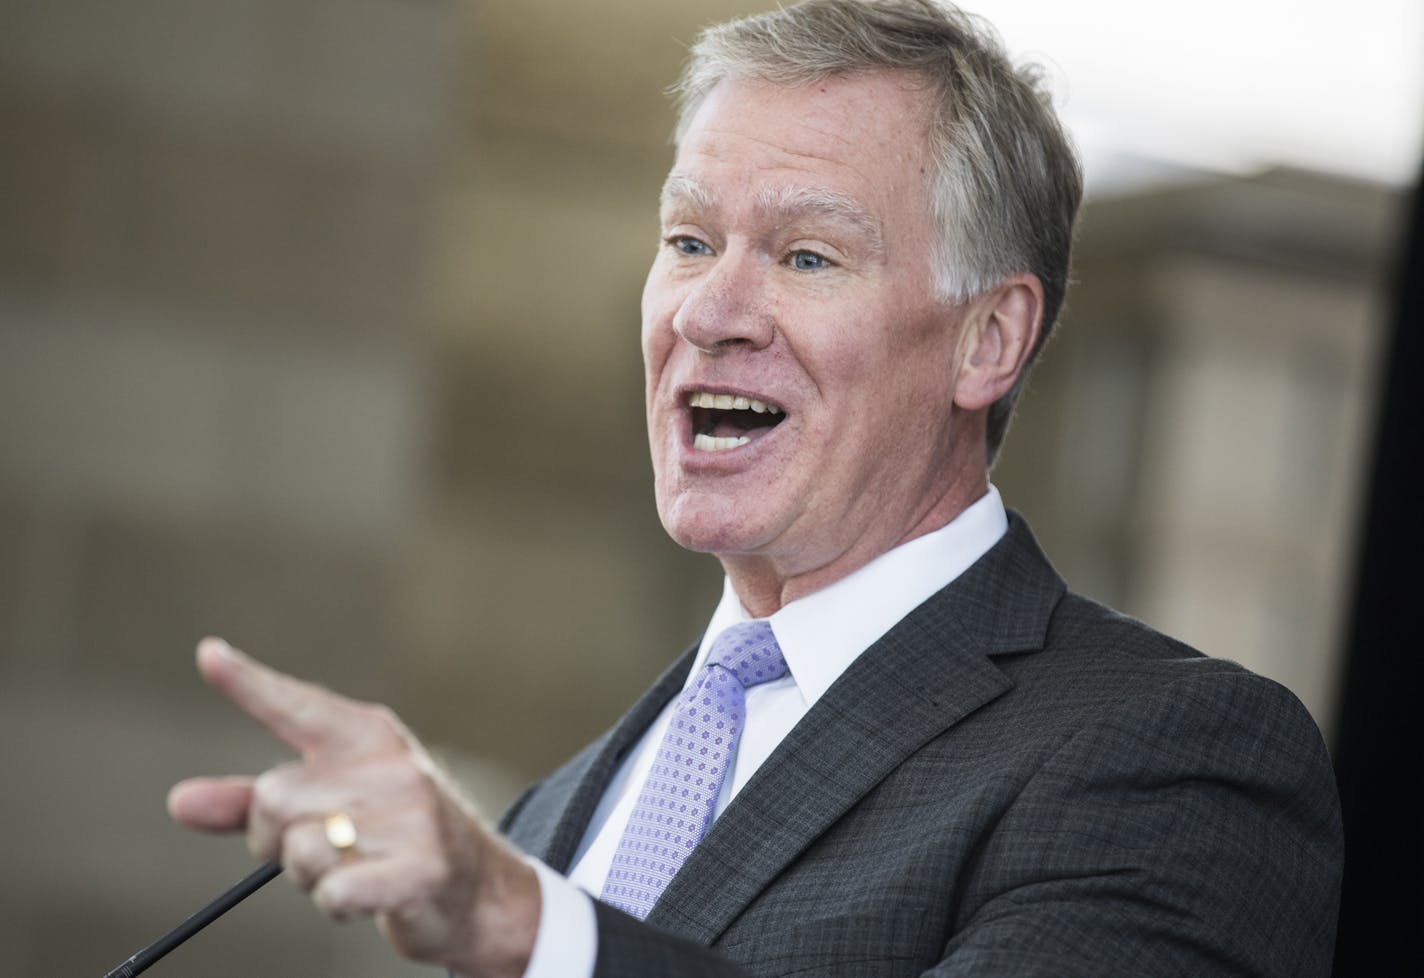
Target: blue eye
689, 246
808, 261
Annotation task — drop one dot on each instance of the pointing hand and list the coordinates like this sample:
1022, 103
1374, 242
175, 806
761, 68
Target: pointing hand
442, 887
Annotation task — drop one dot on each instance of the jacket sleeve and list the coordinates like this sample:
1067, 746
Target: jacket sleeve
629, 948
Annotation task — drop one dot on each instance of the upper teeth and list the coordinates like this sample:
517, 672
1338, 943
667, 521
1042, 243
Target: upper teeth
730, 402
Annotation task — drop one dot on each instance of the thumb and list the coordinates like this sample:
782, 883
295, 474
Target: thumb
211, 804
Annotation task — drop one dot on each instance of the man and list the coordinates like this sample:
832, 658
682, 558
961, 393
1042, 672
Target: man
902, 747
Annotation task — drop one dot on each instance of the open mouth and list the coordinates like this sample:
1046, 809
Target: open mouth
725, 421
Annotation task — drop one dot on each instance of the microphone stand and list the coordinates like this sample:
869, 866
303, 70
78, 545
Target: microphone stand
220, 905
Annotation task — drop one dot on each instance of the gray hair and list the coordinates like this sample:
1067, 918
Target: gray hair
1007, 183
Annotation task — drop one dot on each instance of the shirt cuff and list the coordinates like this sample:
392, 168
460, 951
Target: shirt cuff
566, 945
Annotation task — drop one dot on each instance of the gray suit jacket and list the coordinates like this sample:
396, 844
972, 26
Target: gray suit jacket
1012, 781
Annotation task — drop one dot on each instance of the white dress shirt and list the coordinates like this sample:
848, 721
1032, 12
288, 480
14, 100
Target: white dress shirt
820, 635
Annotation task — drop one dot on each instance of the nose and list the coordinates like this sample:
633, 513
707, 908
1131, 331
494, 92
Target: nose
727, 307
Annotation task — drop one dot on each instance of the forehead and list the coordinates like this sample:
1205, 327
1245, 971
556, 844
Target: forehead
848, 139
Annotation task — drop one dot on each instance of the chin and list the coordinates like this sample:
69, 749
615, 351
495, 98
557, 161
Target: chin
712, 525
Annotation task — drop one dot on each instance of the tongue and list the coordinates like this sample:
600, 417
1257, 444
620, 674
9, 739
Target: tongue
726, 428
731, 427
734, 424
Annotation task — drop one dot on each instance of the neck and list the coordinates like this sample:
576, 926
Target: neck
765, 584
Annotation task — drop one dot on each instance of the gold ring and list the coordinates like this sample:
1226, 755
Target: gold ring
340, 833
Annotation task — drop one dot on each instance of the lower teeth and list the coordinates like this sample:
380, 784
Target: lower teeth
710, 443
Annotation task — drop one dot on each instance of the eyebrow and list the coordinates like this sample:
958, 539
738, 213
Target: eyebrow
784, 205
679, 190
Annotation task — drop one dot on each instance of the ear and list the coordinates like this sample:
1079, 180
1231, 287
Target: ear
1000, 331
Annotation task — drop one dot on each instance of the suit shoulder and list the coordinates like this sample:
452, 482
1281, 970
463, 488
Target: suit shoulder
1123, 665
1087, 634
1081, 624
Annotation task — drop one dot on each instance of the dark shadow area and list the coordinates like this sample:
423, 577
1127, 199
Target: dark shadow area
1379, 744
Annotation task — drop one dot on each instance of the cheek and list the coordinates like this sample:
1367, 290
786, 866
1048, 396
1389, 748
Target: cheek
852, 362
885, 373
658, 338
655, 356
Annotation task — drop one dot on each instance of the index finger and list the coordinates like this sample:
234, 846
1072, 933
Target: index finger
307, 717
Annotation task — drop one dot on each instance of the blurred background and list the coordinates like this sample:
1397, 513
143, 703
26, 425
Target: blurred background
318, 331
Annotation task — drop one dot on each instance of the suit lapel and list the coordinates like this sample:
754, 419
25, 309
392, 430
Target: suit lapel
923, 676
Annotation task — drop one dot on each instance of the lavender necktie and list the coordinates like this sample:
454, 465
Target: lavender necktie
678, 799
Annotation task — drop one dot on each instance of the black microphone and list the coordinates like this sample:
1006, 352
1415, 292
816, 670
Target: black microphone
220, 905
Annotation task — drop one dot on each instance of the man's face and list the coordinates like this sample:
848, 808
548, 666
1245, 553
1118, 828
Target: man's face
800, 372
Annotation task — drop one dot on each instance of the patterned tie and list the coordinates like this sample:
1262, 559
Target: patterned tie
680, 795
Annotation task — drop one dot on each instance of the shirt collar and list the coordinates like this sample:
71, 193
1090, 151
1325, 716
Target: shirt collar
822, 634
